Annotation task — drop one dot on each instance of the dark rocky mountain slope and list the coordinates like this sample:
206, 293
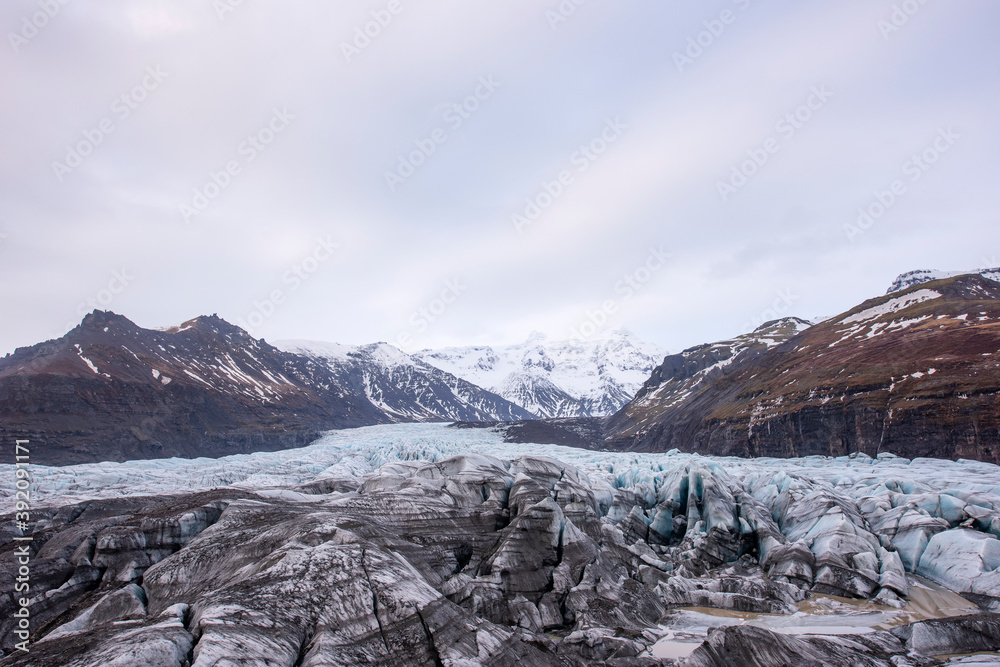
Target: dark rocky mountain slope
405, 387
111, 391
915, 373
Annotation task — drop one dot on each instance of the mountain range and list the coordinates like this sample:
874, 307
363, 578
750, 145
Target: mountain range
476, 542
556, 378
913, 372
111, 390
403, 387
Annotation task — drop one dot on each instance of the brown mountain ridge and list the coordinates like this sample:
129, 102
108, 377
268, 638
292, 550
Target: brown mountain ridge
912, 373
111, 391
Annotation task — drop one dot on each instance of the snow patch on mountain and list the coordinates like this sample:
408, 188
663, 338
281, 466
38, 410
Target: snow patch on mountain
90, 364
893, 306
556, 378
406, 388
680, 375
921, 276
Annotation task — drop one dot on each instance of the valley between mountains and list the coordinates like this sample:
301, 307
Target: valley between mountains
808, 493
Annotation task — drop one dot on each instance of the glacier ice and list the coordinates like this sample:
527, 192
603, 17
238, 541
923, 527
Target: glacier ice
451, 543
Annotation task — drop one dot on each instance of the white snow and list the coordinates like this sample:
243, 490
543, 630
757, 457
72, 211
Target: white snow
199, 379
312, 348
586, 371
89, 363
892, 306
801, 326
925, 275
547, 378
384, 355
386, 372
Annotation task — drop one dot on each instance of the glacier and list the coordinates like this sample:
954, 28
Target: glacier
424, 543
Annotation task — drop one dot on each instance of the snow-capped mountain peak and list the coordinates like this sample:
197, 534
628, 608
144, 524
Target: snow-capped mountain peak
556, 378
920, 276
404, 387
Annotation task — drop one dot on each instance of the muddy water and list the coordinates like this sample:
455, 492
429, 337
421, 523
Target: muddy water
821, 614
929, 600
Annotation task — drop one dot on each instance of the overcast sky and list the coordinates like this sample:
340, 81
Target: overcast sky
357, 194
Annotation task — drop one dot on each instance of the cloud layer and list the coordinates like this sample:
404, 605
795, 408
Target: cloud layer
334, 172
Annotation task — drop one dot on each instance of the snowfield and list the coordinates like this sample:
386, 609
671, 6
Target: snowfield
893, 306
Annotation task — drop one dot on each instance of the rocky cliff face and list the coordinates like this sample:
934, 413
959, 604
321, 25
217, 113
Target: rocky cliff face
111, 391
916, 373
